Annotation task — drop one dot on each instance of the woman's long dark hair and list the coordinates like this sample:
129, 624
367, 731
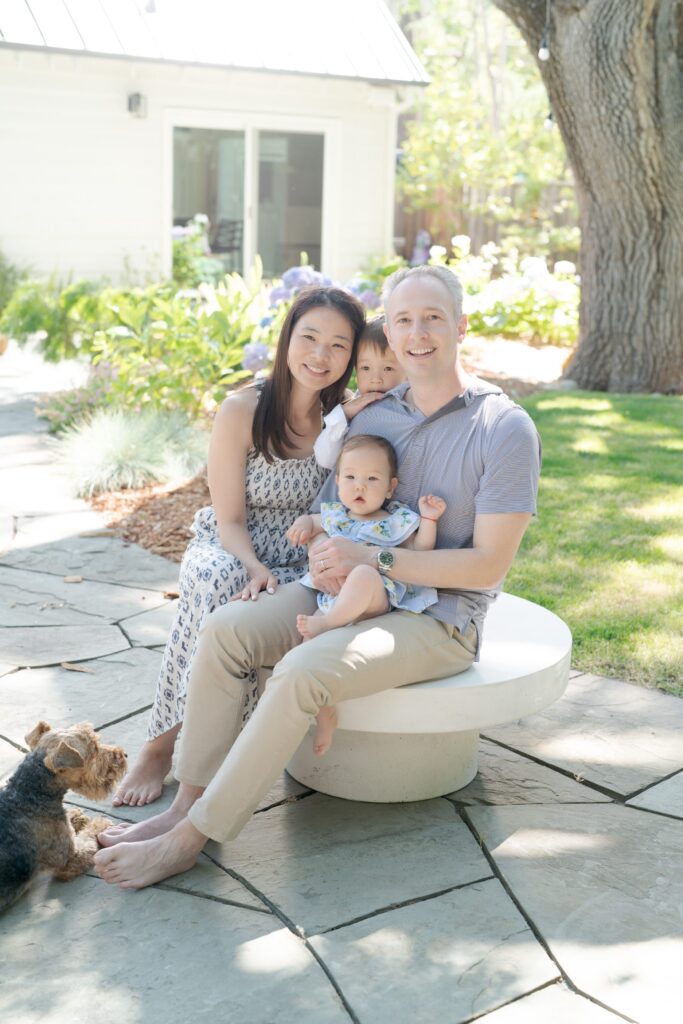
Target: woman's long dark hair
271, 432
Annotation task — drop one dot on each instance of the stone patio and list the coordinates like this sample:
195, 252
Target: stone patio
548, 890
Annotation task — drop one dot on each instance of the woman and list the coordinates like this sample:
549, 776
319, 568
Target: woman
262, 476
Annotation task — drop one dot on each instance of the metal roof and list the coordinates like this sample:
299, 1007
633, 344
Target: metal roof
334, 38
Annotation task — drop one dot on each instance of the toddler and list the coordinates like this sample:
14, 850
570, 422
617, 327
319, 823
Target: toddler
377, 372
366, 481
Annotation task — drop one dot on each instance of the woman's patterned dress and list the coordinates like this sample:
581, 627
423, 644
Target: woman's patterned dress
276, 494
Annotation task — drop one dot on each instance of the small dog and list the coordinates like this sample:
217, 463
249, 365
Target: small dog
36, 832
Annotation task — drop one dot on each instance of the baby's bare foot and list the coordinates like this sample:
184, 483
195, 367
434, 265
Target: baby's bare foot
135, 865
311, 625
145, 781
326, 724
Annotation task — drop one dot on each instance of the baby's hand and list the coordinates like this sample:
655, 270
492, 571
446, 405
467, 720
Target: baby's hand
301, 530
356, 405
431, 506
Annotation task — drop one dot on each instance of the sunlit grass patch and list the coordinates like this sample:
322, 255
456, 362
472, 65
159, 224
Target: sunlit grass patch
606, 550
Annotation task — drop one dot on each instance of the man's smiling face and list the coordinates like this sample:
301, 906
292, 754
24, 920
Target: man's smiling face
422, 328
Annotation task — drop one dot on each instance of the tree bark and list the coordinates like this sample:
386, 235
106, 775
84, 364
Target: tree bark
615, 83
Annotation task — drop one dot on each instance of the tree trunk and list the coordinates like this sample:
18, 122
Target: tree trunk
615, 82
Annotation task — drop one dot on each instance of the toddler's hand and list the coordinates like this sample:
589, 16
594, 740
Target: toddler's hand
301, 531
356, 405
431, 506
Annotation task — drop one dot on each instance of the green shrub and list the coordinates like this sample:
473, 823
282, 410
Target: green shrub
179, 351
10, 277
116, 449
49, 314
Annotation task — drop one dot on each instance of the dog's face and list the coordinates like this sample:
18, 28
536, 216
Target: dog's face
78, 758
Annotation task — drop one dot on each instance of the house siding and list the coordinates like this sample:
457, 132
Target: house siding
83, 187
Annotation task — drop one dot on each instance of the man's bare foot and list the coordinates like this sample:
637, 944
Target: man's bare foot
135, 865
324, 731
145, 780
311, 625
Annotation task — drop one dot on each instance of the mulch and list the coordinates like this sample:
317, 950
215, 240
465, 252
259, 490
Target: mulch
159, 518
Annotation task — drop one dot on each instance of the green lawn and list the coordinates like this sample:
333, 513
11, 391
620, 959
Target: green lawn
606, 550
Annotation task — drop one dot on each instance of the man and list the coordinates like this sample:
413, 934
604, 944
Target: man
455, 436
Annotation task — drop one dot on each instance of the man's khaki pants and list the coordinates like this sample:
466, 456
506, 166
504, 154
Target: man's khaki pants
239, 769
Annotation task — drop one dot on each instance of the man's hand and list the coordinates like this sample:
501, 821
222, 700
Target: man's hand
333, 558
356, 405
301, 530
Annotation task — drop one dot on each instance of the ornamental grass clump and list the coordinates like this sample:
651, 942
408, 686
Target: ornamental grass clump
116, 449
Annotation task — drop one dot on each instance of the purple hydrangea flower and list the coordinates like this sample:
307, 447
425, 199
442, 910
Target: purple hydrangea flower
279, 294
300, 277
265, 321
256, 356
369, 299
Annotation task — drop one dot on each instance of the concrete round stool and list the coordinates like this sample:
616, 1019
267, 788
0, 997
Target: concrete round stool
421, 741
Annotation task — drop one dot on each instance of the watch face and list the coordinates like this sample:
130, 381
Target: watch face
385, 559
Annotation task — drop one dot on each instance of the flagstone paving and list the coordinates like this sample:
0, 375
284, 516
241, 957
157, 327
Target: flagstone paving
548, 890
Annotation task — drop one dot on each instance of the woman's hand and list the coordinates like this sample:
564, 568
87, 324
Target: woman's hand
356, 405
301, 530
261, 578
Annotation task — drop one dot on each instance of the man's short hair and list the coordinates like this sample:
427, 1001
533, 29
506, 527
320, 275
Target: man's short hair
443, 274
373, 334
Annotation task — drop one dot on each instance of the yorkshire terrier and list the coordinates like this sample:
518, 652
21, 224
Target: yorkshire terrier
36, 832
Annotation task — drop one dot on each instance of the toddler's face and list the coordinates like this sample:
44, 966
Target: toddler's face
375, 370
363, 480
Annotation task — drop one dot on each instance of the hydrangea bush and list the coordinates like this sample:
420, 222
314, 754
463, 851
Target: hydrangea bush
515, 296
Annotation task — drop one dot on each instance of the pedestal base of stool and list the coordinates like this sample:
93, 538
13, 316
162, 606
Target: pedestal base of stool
388, 767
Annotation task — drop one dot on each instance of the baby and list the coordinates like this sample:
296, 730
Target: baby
377, 372
366, 480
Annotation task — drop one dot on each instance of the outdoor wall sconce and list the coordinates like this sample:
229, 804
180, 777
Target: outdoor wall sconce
137, 104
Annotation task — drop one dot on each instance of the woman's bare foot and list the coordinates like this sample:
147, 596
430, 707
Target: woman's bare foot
159, 825
311, 625
145, 780
135, 865
142, 830
324, 731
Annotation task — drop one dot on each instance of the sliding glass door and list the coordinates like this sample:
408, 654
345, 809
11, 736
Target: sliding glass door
261, 190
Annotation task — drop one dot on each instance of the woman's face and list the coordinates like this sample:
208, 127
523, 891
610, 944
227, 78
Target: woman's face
320, 348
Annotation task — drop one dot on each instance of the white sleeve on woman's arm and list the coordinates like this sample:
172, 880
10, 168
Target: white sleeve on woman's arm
329, 443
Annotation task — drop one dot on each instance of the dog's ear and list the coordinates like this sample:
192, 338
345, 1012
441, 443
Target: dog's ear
64, 756
33, 737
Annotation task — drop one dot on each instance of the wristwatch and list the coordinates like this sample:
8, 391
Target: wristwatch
385, 560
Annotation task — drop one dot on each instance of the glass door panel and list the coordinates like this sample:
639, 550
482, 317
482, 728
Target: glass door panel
290, 193
208, 178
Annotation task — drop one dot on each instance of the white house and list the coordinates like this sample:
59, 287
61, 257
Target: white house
121, 118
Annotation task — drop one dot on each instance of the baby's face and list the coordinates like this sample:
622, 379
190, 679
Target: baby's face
363, 480
375, 370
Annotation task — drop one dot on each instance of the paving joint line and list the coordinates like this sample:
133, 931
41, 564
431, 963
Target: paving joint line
515, 999
650, 785
533, 927
579, 780
403, 903
277, 912
86, 579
